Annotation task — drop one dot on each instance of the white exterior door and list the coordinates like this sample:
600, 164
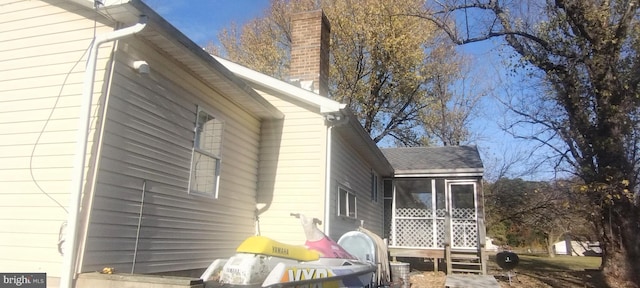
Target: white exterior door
464, 217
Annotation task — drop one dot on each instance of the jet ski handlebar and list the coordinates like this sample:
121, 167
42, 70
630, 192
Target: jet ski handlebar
315, 220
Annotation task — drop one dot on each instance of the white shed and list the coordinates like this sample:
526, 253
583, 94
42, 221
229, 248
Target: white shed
577, 248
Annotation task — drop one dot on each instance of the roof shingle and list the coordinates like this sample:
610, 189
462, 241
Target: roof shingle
451, 159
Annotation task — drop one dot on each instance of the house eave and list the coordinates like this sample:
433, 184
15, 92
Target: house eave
173, 42
325, 104
356, 135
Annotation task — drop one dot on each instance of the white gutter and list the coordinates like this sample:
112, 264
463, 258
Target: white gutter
69, 260
326, 105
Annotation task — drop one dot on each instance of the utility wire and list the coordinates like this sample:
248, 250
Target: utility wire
55, 105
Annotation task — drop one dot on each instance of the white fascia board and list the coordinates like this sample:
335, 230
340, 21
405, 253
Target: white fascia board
326, 105
464, 172
105, 3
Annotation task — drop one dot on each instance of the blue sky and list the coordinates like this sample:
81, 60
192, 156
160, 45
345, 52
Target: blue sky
201, 20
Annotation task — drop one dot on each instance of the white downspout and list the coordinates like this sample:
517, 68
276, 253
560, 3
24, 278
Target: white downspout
327, 193
332, 119
71, 249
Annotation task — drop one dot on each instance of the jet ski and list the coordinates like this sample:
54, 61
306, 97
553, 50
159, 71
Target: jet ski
263, 262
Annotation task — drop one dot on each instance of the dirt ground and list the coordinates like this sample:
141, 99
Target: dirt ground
525, 277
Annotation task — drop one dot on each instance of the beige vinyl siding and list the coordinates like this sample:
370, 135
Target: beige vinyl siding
41, 73
350, 170
148, 139
292, 170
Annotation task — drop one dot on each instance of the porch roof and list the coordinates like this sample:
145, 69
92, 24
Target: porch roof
447, 161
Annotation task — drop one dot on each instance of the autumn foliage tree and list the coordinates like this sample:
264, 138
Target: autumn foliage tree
586, 56
545, 211
453, 107
392, 71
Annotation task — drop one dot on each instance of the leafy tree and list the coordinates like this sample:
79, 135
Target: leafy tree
536, 212
585, 54
393, 72
453, 107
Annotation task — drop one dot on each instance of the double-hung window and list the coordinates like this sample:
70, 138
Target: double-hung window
346, 203
206, 156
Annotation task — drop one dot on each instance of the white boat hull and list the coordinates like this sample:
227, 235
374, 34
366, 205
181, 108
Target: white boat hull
350, 274
250, 270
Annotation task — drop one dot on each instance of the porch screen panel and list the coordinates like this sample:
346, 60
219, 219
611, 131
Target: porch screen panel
415, 221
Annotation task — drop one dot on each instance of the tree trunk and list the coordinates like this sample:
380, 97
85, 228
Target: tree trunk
550, 247
621, 246
552, 238
551, 250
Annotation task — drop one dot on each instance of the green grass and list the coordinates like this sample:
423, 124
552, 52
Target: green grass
558, 272
573, 263
562, 262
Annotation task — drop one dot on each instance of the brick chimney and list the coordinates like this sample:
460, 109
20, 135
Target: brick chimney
310, 33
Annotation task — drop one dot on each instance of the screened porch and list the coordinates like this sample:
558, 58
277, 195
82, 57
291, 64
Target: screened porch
426, 212
434, 206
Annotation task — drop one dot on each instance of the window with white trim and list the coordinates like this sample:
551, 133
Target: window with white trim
374, 186
346, 203
206, 156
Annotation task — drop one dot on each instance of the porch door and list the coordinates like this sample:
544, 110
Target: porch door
463, 221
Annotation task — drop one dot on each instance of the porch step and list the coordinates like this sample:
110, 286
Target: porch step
466, 266
469, 271
463, 253
464, 262
464, 256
